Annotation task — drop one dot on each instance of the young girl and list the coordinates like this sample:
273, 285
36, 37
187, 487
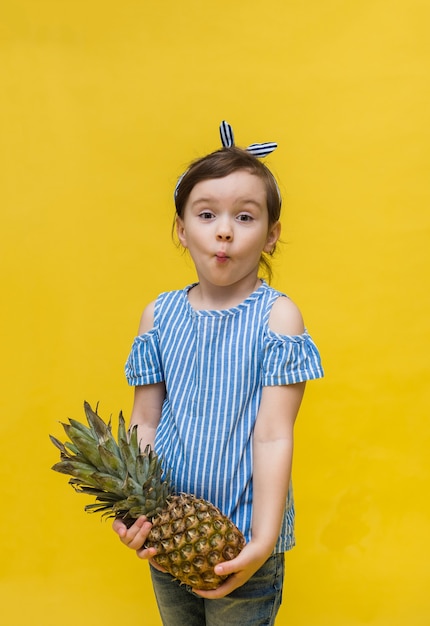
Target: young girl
219, 371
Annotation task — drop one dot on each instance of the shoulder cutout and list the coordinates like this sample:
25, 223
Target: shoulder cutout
285, 317
147, 319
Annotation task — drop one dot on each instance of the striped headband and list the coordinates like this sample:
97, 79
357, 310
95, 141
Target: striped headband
258, 150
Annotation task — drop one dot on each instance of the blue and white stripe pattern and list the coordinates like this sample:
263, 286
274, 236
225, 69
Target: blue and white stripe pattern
214, 365
227, 136
259, 150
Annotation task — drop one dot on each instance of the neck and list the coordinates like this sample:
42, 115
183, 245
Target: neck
215, 298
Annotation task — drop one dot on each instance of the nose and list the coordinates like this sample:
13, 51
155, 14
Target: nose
224, 231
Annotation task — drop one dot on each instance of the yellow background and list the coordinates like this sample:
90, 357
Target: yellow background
102, 105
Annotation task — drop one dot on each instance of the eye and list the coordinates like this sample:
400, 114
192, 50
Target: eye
244, 217
206, 215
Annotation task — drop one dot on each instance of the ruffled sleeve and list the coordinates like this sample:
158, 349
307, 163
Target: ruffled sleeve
290, 359
143, 366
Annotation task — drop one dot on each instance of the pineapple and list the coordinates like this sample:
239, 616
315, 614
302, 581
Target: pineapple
190, 535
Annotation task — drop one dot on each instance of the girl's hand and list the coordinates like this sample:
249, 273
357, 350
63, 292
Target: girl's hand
135, 536
238, 570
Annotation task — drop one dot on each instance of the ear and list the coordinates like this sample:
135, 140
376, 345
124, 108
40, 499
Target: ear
180, 231
272, 237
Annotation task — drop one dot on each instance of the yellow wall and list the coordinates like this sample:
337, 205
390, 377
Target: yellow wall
102, 105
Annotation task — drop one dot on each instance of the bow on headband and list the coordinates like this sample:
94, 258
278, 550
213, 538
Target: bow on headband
258, 150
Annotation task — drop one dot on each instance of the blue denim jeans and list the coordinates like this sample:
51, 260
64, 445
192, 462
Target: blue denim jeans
256, 603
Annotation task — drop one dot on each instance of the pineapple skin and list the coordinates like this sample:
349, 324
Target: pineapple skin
190, 535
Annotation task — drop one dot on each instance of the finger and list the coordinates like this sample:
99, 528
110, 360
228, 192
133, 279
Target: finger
137, 535
146, 553
223, 590
226, 568
119, 527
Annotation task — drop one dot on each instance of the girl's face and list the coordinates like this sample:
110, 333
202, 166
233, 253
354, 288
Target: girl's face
225, 227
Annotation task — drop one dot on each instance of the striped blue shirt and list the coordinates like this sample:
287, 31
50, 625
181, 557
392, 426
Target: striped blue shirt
214, 365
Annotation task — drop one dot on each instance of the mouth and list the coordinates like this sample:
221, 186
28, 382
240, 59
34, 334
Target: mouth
221, 257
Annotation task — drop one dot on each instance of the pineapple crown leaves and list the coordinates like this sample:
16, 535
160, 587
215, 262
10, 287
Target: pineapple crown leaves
125, 482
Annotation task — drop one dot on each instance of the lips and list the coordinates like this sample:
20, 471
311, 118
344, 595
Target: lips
221, 257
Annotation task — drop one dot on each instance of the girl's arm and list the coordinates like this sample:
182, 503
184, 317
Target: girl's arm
273, 452
148, 399
146, 413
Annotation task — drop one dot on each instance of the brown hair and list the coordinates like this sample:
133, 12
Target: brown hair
222, 163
